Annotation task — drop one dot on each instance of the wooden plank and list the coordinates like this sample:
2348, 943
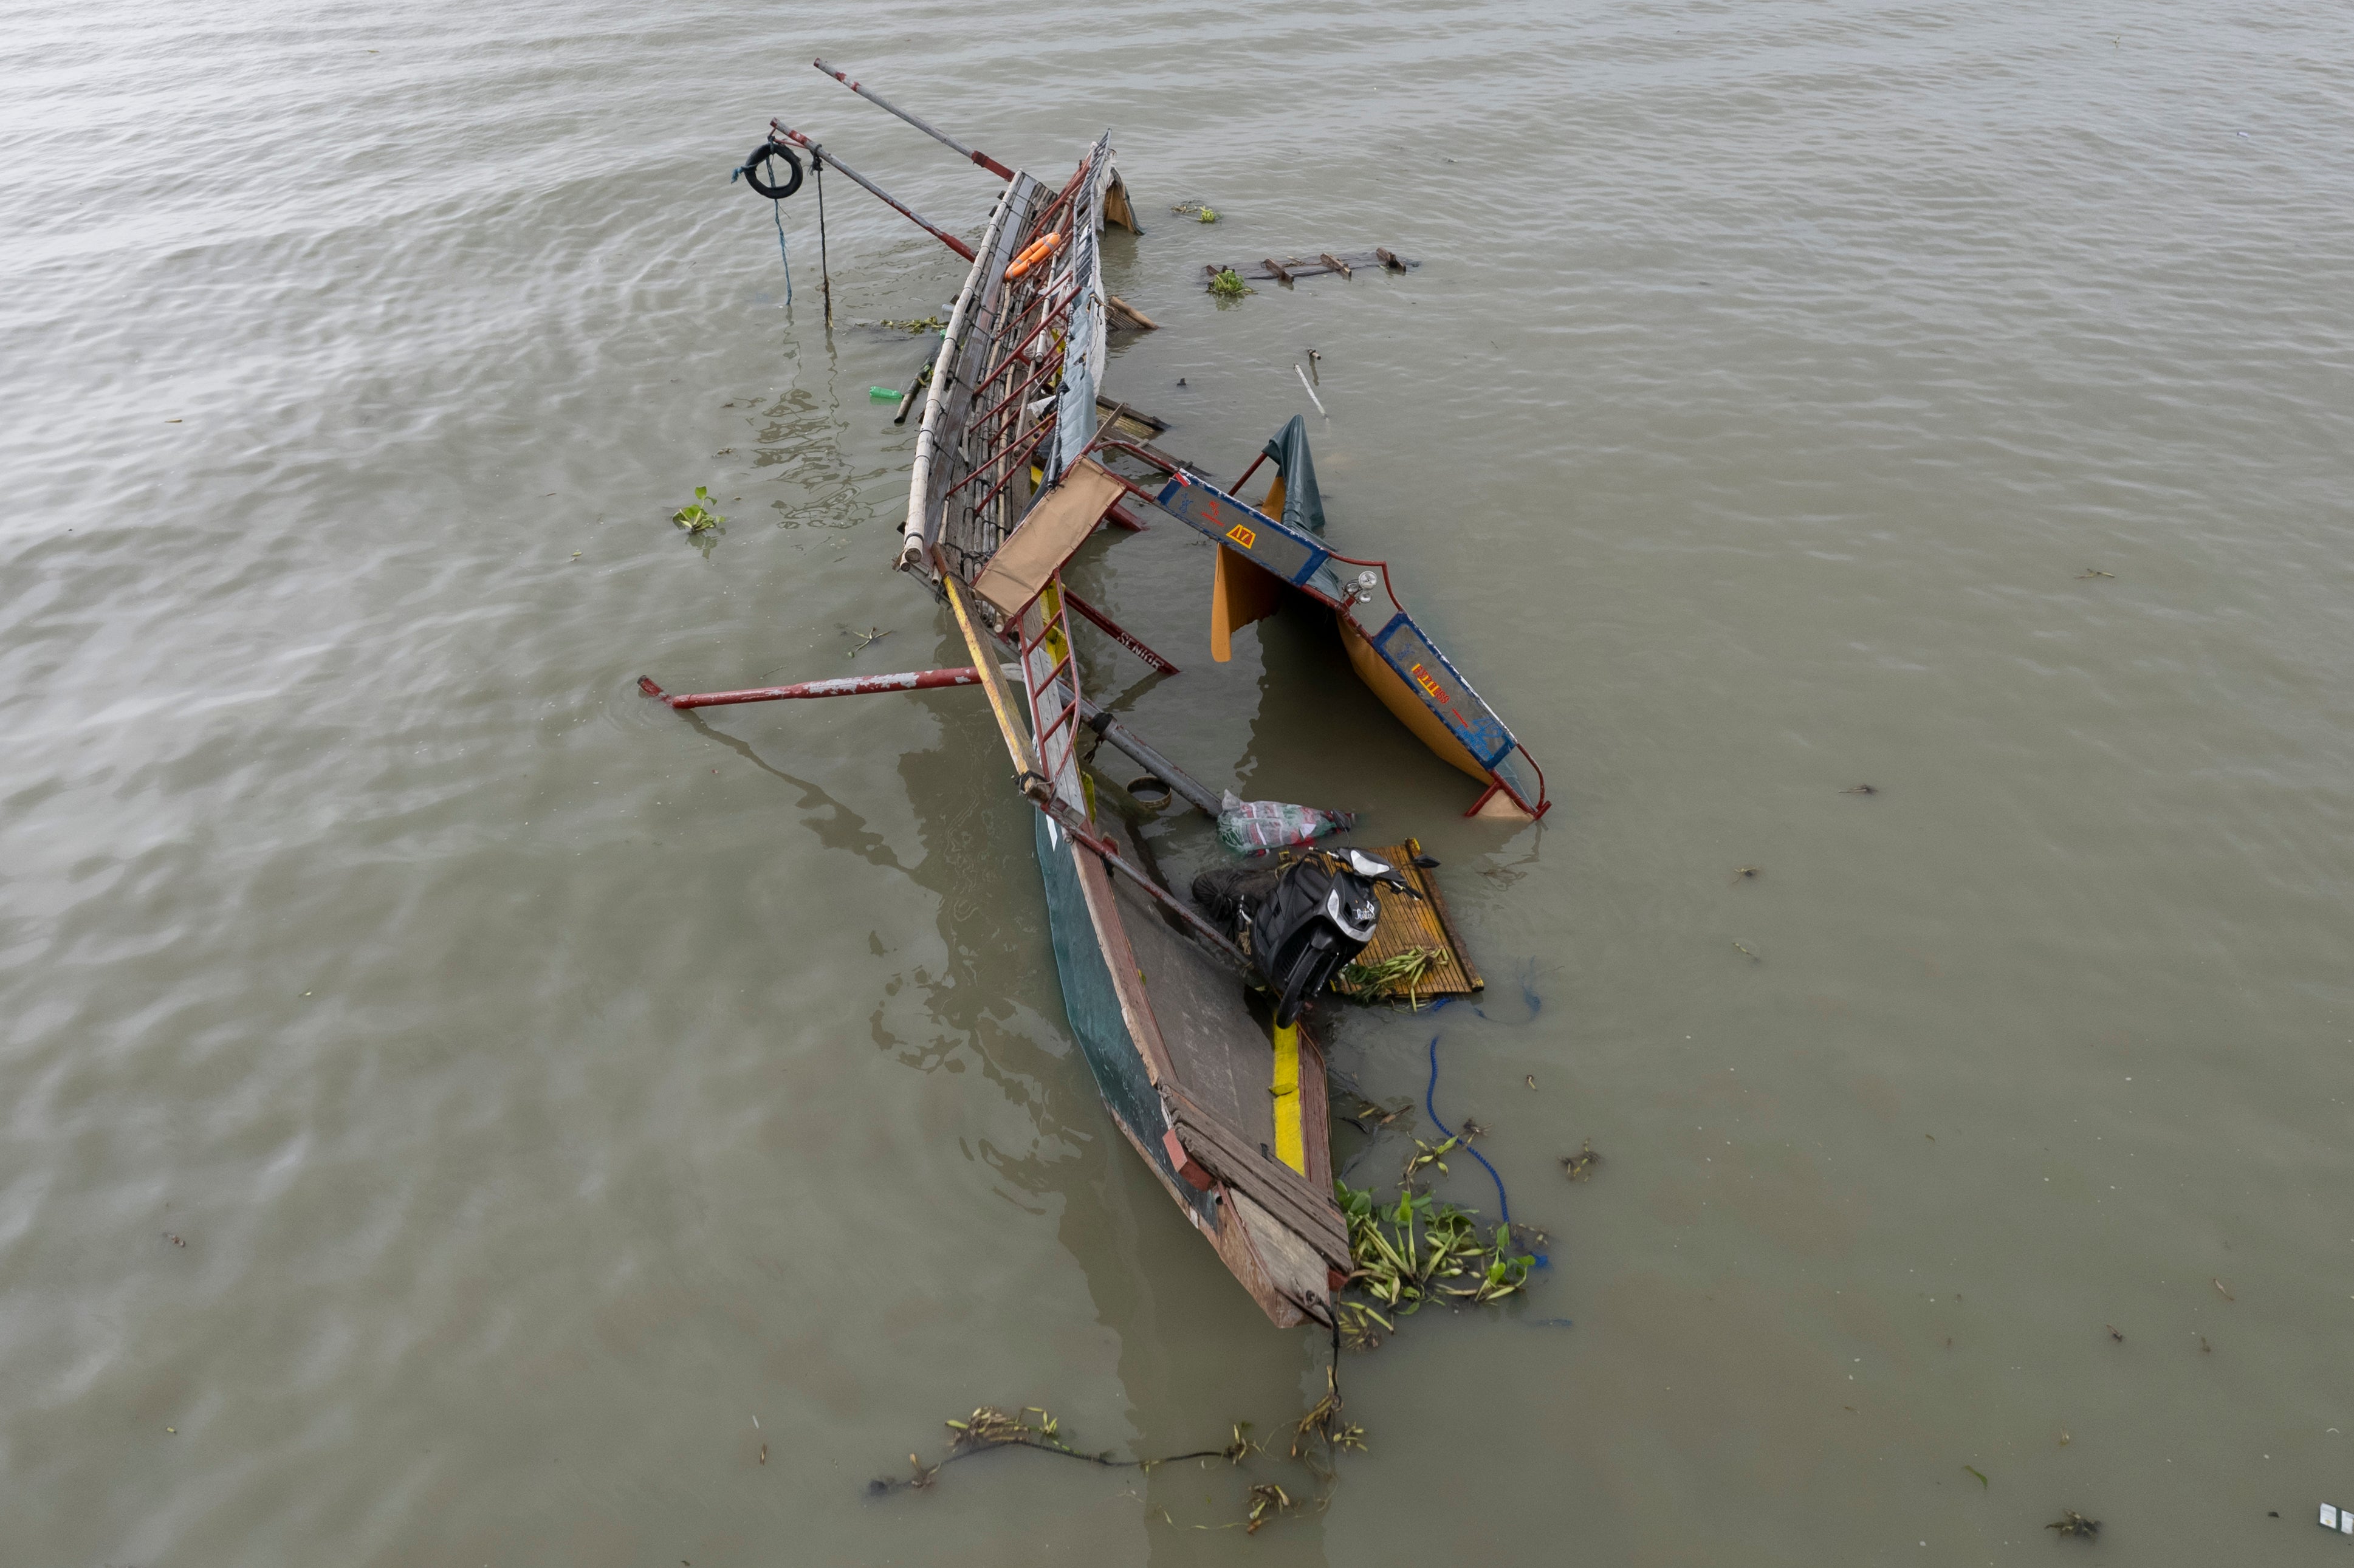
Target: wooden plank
1134, 422
1285, 269
1316, 1113
1416, 923
1283, 1192
992, 681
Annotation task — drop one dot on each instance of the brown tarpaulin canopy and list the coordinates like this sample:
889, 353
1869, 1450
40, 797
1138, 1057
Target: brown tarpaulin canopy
1057, 525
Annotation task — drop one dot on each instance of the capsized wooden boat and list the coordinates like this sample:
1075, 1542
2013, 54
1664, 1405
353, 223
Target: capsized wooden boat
1014, 468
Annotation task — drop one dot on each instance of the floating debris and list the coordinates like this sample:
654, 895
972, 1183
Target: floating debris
915, 324
697, 514
1746, 872
2219, 1286
989, 1427
2070, 1523
1267, 1500
1400, 971
1983, 1482
1317, 1439
1380, 1115
176, 1241
1130, 316
1430, 1154
1323, 1425
1860, 790
1742, 948
1229, 285
2113, 1334
866, 639
1577, 1167
1200, 211
2091, 572
1268, 269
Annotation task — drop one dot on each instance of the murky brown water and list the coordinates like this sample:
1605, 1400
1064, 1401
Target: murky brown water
546, 1087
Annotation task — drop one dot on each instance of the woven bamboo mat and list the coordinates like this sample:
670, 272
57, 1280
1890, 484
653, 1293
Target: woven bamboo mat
1415, 923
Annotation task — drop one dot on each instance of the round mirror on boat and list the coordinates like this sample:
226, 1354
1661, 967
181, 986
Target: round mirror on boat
1149, 792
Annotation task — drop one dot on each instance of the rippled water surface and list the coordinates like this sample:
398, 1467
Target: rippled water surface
544, 1087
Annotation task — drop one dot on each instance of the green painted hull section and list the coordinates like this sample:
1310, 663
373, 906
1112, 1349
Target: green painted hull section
1092, 1008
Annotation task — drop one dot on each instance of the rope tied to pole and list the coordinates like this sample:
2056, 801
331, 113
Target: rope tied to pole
750, 172
825, 271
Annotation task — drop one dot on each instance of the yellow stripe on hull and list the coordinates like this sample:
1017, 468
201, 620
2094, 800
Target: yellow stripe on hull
1290, 1139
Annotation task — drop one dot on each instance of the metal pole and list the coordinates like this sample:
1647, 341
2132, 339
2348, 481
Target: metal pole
1119, 633
902, 208
1182, 783
841, 686
1083, 833
824, 273
876, 99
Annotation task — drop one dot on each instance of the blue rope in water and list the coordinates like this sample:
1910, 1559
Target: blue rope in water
777, 208
1430, 1097
1506, 1204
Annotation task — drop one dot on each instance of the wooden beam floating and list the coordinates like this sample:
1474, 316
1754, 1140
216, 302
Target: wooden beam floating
1291, 268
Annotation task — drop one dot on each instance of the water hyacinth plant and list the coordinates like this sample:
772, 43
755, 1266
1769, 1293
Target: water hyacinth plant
1419, 1250
696, 516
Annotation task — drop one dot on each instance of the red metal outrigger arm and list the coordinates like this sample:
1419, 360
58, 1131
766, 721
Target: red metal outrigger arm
778, 128
944, 140
840, 687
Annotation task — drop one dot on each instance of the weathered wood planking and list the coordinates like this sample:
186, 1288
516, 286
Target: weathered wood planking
1285, 269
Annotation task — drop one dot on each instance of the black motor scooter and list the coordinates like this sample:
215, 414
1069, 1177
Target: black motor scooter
1299, 922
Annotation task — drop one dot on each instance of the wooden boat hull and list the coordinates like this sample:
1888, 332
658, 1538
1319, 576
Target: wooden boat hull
1109, 996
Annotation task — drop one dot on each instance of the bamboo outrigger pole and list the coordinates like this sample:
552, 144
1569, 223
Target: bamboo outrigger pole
779, 129
944, 140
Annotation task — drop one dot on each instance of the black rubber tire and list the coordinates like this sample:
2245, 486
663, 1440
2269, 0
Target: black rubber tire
761, 154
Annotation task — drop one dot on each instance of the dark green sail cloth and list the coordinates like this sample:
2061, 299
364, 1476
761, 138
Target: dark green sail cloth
1303, 505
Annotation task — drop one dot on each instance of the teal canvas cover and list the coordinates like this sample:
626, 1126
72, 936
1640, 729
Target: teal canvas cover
1303, 505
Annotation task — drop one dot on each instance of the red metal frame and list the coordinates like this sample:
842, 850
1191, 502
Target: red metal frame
841, 686
983, 159
1117, 632
1016, 356
1045, 428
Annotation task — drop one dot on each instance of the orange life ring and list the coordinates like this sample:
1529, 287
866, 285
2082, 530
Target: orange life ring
1037, 251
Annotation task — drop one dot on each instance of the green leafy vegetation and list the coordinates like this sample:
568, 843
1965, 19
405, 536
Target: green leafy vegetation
1416, 1251
696, 516
1400, 972
1229, 285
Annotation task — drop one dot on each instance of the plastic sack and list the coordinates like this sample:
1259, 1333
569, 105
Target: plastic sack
1254, 827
